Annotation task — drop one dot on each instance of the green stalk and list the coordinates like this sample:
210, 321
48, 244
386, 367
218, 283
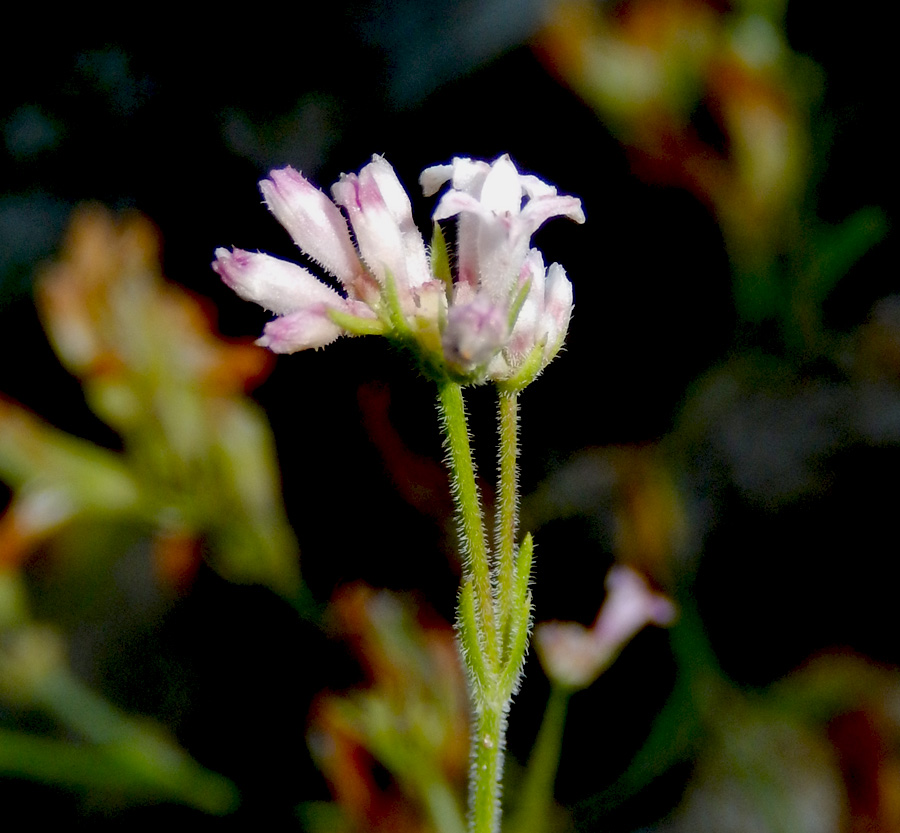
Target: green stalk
487, 768
533, 812
478, 634
494, 613
507, 506
468, 506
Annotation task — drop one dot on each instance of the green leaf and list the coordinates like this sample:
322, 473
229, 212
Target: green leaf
837, 248
145, 769
518, 645
467, 626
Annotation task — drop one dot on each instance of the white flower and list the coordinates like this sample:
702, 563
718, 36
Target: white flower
387, 243
499, 210
502, 311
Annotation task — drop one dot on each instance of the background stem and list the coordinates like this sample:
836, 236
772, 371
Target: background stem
533, 813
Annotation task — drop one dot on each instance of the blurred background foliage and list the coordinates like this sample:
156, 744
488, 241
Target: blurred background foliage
726, 419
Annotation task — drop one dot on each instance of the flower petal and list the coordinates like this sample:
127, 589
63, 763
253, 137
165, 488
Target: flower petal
433, 178
574, 656
526, 330
558, 305
537, 211
630, 605
276, 285
377, 235
314, 222
307, 328
397, 201
475, 332
501, 191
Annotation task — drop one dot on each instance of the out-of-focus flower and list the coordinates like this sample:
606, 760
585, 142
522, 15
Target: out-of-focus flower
574, 656
197, 466
410, 718
503, 312
649, 67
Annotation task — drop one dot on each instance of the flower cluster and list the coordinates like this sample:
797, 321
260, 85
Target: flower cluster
503, 316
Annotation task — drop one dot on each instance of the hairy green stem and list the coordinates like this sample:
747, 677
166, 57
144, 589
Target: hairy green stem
487, 767
468, 505
494, 616
507, 506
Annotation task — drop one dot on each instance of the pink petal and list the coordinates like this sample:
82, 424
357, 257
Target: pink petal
301, 330
314, 222
558, 304
381, 216
537, 211
276, 285
475, 332
630, 606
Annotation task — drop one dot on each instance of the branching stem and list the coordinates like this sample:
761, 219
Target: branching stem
494, 616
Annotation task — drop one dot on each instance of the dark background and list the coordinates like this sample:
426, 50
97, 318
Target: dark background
180, 121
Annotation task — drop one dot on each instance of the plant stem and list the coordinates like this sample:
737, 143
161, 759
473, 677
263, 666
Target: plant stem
507, 506
533, 812
493, 620
476, 621
487, 742
468, 506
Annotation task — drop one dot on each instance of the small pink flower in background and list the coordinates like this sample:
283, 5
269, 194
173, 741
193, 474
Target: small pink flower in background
503, 307
574, 656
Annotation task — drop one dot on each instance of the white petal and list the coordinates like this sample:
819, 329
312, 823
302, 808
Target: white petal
469, 174
276, 285
537, 211
502, 189
456, 202
432, 179
392, 192
535, 187
525, 331
397, 201
314, 222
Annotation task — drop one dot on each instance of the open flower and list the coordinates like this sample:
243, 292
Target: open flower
503, 310
498, 211
308, 309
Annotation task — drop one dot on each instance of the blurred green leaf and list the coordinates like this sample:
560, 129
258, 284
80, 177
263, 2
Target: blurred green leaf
145, 769
836, 248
